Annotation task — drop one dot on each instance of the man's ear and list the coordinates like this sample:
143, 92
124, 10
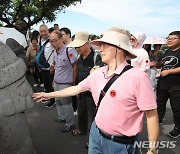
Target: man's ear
120, 50
68, 35
87, 44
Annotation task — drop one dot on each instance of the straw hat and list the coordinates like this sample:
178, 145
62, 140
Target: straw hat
80, 39
115, 36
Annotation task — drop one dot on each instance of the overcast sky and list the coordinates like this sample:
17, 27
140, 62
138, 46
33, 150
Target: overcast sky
153, 17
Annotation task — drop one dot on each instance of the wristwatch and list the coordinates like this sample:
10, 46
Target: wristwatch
153, 151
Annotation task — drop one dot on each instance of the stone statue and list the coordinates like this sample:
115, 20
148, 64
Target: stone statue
17, 49
15, 99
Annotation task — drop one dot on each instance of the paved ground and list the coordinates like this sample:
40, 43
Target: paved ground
48, 139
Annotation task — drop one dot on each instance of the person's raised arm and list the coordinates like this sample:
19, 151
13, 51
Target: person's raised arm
170, 71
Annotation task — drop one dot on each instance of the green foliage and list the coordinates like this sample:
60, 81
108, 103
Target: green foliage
164, 47
22, 14
94, 36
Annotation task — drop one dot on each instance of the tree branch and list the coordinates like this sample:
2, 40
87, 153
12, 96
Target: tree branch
6, 20
14, 12
17, 12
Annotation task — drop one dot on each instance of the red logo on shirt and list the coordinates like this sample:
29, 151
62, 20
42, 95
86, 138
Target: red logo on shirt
112, 93
70, 55
147, 61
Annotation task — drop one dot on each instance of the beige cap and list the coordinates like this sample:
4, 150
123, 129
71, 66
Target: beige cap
80, 39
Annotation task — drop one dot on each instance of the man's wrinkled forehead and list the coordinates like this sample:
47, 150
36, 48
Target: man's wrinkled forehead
43, 27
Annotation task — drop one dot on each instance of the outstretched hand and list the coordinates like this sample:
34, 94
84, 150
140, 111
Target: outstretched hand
38, 97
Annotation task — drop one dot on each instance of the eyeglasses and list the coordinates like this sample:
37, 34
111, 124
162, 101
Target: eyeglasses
79, 47
171, 38
53, 41
132, 39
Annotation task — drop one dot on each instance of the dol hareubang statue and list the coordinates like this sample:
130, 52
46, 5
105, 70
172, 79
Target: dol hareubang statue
15, 98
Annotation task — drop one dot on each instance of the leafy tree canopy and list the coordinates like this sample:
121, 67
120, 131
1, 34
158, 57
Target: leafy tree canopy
22, 14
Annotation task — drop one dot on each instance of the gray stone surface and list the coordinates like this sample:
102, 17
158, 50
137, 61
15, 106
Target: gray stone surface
15, 99
15, 46
17, 49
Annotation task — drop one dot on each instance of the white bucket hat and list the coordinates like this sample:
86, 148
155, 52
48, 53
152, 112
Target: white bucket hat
115, 36
80, 39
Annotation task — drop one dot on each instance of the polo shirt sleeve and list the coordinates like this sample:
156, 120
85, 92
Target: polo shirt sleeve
87, 82
144, 93
144, 61
72, 53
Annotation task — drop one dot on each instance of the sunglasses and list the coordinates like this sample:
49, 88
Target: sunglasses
132, 39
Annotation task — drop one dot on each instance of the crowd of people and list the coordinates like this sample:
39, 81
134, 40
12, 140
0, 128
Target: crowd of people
114, 84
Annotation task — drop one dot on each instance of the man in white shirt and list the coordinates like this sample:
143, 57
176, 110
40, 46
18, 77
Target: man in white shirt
47, 75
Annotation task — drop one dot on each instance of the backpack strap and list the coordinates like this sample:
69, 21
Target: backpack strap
109, 83
40, 41
40, 46
44, 46
68, 55
50, 56
95, 55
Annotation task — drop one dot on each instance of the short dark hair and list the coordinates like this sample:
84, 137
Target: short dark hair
56, 25
35, 33
66, 30
177, 33
51, 29
34, 38
72, 38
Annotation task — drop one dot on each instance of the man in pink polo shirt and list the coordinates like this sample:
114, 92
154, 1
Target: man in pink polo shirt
120, 114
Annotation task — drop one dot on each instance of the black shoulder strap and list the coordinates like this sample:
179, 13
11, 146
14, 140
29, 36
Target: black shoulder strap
44, 46
46, 42
50, 55
40, 41
40, 46
68, 56
109, 83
